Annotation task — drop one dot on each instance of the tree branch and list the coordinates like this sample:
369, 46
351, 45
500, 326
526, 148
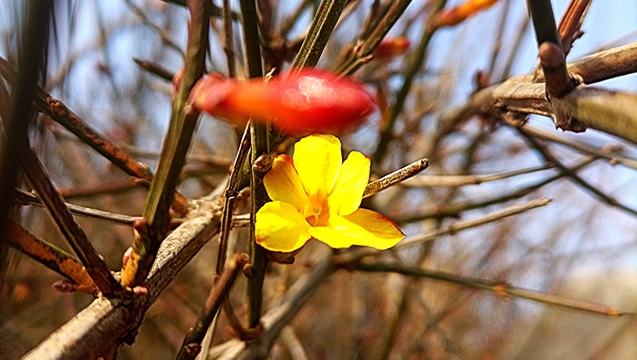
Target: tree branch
108, 322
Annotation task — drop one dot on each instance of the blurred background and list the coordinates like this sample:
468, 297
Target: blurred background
579, 246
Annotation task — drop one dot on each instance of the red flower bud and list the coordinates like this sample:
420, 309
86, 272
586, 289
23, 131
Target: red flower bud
460, 13
391, 47
177, 77
308, 102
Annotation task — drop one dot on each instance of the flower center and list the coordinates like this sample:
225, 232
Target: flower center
316, 210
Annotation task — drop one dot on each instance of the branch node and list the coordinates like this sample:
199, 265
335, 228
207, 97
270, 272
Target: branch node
558, 81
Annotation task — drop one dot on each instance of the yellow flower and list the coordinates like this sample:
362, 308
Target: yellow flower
317, 195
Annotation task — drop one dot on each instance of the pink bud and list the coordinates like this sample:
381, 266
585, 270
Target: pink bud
64, 286
177, 77
391, 47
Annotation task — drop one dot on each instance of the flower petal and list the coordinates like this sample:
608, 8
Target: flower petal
280, 227
363, 227
282, 183
352, 179
317, 159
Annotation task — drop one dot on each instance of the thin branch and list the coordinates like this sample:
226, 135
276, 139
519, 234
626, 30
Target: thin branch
552, 136
605, 65
320, 31
454, 210
102, 188
230, 196
260, 139
461, 180
73, 233
499, 288
514, 49
208, 159
395, 177
26, 198
159, 30
61, 114
191, 345
50, 256
182, 126
155, 69
281, 314
416, 60
228, 39
549, 157
496, 52
356, 254
362, 51
571, 23
293, 344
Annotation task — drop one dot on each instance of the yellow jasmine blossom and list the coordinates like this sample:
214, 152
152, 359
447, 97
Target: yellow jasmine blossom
317, 195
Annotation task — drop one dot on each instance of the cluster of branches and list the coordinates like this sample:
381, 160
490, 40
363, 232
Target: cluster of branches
173, 228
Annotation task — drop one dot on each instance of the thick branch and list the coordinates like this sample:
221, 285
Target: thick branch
108, 322
581, 108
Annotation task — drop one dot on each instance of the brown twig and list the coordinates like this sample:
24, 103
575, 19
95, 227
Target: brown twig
549, 157
605, 65
155, 69
26, 198
558, 82
603, 152
228, 39
461, 180
100, 188
454, 210
395, 177
499, 288
571, 23
191, 345
50, 256
61, 215
57, 111
150, 232
525, 95
354, 255
60, 113
109, 322
230, 197
260, 145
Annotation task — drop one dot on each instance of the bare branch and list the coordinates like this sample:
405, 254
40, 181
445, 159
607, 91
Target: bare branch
108, 322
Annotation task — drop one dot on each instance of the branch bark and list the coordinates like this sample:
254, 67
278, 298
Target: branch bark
526, 94
109, 322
